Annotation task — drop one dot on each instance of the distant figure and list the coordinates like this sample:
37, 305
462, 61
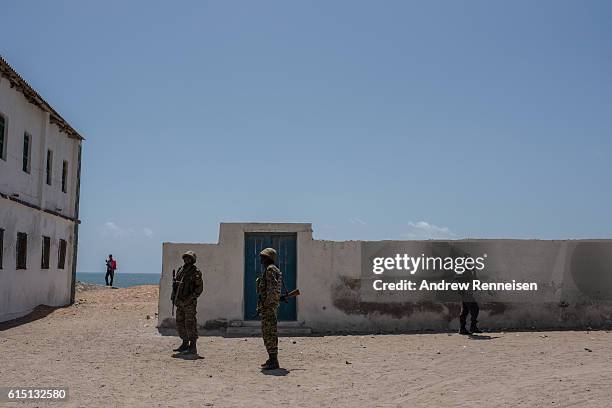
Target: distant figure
469, 306
269, 292
187, 286
111, 265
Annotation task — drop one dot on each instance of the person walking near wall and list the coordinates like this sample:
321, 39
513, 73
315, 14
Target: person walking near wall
111, 266
469, 306
187, 286
269, 290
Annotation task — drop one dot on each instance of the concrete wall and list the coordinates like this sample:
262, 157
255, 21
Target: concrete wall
24, 117
220, 264
574, 280
66, 149
22, 290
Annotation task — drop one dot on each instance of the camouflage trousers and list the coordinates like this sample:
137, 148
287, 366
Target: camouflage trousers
186, 322
269, 330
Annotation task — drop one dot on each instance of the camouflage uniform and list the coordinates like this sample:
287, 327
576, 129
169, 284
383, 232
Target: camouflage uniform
269, 291
188, 285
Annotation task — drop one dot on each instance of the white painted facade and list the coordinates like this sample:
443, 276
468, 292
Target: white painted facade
335, 279
29, 205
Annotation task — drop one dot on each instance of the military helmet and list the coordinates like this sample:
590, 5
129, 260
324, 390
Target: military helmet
190, 254
270, 253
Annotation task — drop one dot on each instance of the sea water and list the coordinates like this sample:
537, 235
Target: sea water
121, 280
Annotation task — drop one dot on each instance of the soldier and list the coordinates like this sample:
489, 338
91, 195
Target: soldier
468, 302
186, 287
269, 291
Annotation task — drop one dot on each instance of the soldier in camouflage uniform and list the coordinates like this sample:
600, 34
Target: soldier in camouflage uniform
186, 288
269, 291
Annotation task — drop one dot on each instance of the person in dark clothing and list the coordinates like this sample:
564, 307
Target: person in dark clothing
469, 306
111, 266
472, 309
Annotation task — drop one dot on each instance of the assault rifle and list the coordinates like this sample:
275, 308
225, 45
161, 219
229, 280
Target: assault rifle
284, 298
176, 288
288, 295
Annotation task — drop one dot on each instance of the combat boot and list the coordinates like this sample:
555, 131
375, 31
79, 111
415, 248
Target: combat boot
272, 364
475, 329
184, 346
463, 330
266, 363
192, 349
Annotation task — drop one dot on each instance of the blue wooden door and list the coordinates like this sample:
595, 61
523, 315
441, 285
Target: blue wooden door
285, 246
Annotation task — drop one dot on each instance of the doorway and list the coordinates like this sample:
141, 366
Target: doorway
286, 247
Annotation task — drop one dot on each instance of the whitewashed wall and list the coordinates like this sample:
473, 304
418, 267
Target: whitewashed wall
575, 279
22, 290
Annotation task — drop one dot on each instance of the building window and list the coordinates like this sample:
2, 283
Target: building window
22, 250
61, 257
27, 150
64, 176
49, 167
3, 131
46, 247
1, 246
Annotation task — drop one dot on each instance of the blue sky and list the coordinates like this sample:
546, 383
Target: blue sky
372, 120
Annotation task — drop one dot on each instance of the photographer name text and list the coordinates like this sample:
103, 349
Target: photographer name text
474, 285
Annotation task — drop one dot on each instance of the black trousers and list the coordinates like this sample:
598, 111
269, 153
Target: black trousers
111, 273
470, 308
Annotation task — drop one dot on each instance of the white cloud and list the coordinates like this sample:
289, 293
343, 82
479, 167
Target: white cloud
425, 230
357, 220
148, 232
111, 228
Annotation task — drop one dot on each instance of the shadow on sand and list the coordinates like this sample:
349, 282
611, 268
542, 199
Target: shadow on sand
481, 337
38, 313
188, 356
279, 372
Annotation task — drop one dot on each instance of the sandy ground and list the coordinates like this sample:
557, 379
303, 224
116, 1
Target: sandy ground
110, 355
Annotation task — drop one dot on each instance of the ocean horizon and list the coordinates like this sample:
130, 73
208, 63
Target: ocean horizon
121, 280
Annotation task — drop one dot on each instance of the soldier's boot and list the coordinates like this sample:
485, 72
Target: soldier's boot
272, 363
270, 356
475, 329
192, 348
463, 330
184, 346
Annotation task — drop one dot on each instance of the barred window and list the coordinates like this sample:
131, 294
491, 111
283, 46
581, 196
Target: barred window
3, 131
65, 176
1, 246
27, 150
22, 250
46, 247
61, 257
49, 167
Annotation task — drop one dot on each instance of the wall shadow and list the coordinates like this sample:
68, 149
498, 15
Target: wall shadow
38, 313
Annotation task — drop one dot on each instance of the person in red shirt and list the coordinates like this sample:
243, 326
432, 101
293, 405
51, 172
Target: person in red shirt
111, 265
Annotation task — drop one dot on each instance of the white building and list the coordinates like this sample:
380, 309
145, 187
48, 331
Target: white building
40, 160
